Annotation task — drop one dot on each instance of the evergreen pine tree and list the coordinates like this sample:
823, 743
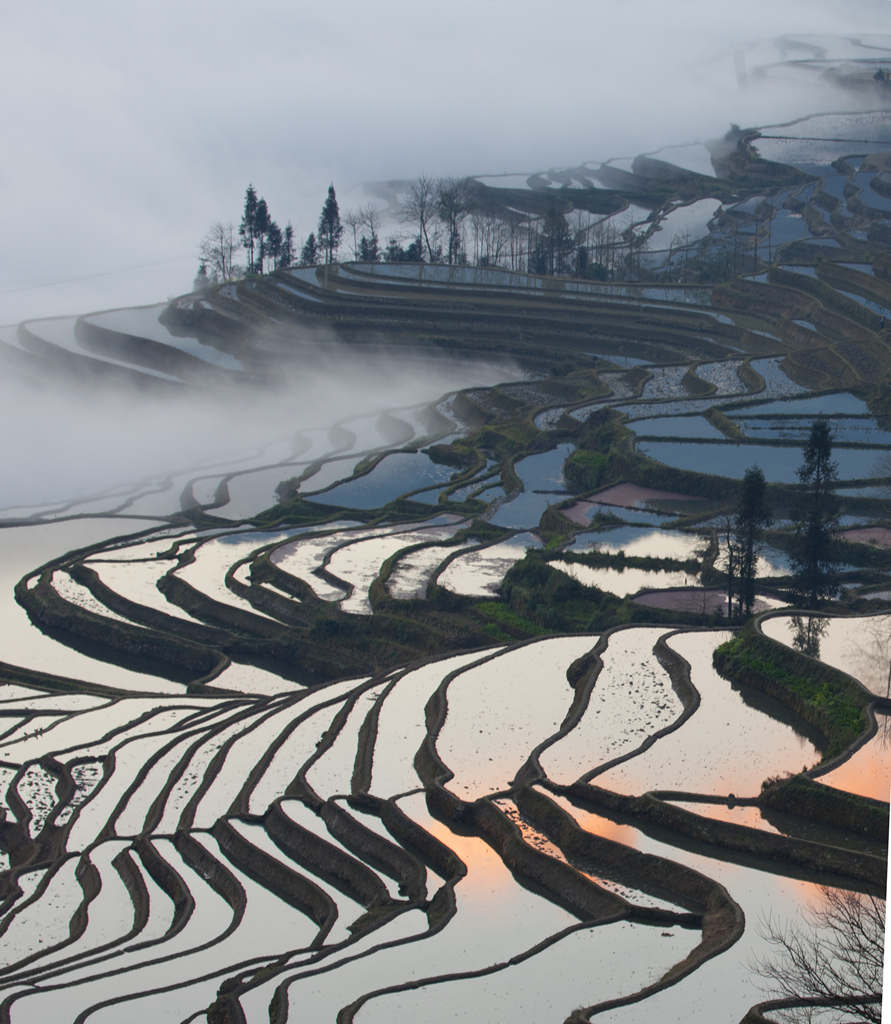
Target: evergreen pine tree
309, 255
248, 227
262, 220
330, 228
815, 577
369, 251
286, 259
273, 241
748, 526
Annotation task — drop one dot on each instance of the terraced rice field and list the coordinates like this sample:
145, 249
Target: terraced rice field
409, 708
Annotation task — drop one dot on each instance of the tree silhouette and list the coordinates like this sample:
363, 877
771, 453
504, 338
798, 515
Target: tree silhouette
815, 578
248, 227
833, 965
748, 527
330, 228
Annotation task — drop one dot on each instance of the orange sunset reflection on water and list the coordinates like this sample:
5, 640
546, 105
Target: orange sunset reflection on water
868, 771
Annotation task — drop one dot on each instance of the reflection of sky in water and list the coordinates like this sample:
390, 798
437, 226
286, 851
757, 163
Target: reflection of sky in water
840, 403
704, 996
624, 582
537, 472
859, 645
479, 573
640, 542
393, 476
780, 464
676, 426
868, 770
725, 747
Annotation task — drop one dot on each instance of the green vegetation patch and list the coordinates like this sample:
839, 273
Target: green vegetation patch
824, 697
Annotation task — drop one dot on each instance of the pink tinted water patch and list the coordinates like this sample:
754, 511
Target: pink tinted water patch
880, 536
635, 496
867, 771
580, 512
696, 600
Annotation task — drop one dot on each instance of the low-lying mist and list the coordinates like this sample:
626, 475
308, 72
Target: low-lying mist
72, 441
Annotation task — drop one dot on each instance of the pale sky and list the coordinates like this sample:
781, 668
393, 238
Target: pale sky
130, 128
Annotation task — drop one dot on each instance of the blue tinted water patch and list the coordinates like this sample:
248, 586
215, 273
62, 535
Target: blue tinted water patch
800, 268
779, 464
868, 196
490, 494
675, 426
543, 472
805, 323
393, 476
776, 383
849, 431
464, 492
847, 521
882, 492
862, 268
758, 278
869, 304
829, 243
788, 227
841, 403
834, 185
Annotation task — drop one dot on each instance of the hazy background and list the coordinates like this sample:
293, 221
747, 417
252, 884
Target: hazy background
128, 129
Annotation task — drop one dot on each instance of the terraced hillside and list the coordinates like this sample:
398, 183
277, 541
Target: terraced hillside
424, 707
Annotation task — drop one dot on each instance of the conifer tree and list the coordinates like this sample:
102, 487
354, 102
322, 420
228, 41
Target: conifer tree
248, 227
815, 576
272, 244
309, 255
330, 228
748, 526
286, 259
262, 220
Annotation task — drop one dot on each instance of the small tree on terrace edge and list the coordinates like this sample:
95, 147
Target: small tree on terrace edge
815, 576
248, 227
330, 228
309, 255
748, 527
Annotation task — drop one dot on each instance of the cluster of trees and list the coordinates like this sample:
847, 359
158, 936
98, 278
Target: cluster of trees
814, 565
265, 244
452, 221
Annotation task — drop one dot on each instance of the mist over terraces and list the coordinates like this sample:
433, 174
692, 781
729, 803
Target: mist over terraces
395, 637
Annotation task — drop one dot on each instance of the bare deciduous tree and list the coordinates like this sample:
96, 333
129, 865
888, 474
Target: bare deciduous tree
352, 220
217, 251
832, 969
452, 206
418, 206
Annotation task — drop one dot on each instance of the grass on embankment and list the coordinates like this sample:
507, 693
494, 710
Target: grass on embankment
826, 698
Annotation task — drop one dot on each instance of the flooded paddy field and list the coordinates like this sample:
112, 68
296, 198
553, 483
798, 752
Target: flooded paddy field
435, 729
